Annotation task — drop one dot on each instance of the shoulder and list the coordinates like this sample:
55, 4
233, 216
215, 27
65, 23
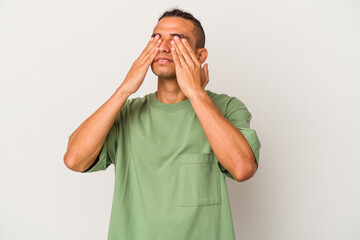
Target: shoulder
226, 103
133, 106
138, 102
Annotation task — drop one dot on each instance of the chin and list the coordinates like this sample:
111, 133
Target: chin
163, 73
166, 76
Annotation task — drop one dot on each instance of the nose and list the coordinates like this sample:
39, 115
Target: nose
165, 46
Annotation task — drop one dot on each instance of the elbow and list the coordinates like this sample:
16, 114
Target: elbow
71, 162
246, 171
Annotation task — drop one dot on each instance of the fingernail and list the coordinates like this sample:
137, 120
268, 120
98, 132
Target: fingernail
172, 42
183, 40
176, 37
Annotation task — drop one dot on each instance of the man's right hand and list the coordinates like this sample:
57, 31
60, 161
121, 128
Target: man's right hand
86, 142
137, 73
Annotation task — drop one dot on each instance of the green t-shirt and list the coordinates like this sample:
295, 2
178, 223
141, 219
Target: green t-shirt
168, 182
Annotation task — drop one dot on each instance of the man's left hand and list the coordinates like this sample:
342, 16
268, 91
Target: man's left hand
191, 77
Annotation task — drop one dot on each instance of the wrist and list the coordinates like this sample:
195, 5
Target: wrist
198, 95
121, 92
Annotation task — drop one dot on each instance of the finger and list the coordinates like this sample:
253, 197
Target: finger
154, 49
206, 72
150, 53
190, 50
151, 41
178, 53
154, 41
152, 56
175, 58
183, 50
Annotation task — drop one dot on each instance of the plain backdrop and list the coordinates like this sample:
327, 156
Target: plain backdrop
295, 64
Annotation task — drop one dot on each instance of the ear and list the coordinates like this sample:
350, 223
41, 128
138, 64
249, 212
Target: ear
202, 54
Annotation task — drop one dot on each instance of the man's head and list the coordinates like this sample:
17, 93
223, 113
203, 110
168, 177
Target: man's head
182, 24
197, 31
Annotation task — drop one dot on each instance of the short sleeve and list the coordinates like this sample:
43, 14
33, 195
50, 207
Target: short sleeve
107, 155
237, 113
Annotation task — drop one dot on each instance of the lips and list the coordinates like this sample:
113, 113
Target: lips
163, 60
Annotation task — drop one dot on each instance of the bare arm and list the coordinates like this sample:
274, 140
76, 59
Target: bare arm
86, 142
228, 143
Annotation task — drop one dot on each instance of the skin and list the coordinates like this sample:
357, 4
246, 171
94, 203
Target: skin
181, 77
169, 28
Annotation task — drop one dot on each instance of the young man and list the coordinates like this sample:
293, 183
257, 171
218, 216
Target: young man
171, 148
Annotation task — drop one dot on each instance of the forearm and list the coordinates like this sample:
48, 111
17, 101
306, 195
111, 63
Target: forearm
86, 142
228, 143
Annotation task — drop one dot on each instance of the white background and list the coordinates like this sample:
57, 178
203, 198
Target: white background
295, 64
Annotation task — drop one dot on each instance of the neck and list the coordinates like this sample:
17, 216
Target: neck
168, 91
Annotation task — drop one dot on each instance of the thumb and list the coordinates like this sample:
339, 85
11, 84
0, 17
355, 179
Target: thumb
206, 73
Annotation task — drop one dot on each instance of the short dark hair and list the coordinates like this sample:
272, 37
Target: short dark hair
198, 29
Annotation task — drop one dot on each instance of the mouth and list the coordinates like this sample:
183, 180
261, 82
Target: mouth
163, 61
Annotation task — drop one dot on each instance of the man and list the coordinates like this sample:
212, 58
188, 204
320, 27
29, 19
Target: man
171, 148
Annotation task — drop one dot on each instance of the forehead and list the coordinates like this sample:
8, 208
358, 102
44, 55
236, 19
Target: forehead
174, 25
